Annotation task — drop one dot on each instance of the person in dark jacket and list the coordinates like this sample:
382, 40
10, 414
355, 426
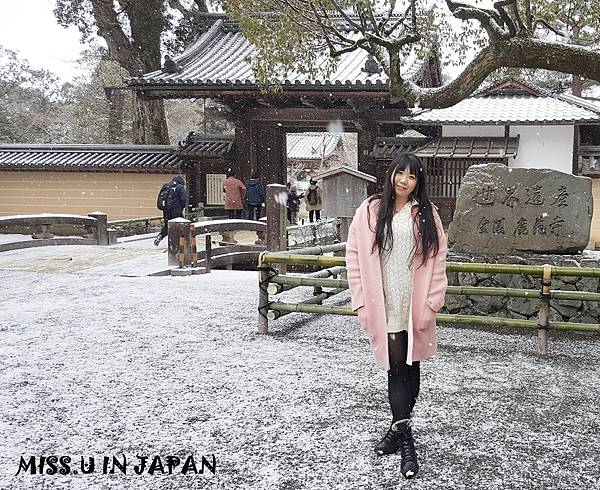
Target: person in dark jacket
174, 200
255, 197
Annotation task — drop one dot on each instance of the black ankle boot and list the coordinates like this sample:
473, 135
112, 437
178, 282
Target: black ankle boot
409, 466
390, 442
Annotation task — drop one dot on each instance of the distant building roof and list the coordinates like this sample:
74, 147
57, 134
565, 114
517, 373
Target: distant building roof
133, 158
311, 146
387, 148
219, 58
513, 102
464, 147
206, 145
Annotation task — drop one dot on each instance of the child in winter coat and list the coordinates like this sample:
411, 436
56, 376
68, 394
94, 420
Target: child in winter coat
396, 261
313, 201
293, 203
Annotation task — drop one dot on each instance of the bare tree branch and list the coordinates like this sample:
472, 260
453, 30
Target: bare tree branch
499, 6
516, 53
528, 15
109, 28
548, 26
490, 21
176, 5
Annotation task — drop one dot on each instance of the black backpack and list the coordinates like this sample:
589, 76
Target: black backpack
312, 197
166, 197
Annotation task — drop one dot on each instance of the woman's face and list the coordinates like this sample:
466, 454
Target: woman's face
404, 183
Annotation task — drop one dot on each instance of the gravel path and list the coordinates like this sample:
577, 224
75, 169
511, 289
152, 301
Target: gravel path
95, 365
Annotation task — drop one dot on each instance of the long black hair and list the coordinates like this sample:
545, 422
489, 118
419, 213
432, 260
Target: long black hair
424, 229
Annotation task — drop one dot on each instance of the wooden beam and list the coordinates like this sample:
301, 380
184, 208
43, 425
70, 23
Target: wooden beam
301, 115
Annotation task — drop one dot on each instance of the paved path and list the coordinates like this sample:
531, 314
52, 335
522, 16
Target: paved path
131, 256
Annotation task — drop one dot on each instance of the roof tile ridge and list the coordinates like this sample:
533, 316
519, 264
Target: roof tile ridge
202, 42
578, 102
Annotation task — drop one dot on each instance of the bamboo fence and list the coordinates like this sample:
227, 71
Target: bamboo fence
272, 282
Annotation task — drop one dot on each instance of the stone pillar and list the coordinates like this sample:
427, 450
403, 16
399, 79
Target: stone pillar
344, 227
101, 227
180, 242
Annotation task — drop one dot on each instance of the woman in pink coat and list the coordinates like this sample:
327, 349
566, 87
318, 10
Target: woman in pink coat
235, 191
396, 261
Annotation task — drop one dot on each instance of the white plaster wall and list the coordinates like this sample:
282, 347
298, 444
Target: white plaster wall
473, 131
544, 147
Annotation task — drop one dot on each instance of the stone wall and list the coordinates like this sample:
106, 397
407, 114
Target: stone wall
523, 308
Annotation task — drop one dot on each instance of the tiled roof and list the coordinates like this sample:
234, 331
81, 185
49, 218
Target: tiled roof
517, 109
345, 170
462, 147
219, 58
206, 145
386, 148
311, 146
132, 158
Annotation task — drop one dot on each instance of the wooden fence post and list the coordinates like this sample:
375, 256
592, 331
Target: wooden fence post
263, 296
276, 217
208, 252
180, 228
102, 227
544, 314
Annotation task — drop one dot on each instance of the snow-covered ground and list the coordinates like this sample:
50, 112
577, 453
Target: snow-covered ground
96, 364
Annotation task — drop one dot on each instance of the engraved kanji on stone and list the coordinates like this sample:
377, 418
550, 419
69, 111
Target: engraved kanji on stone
556, 225
510, 200
498, 227
561, 197
482, 226
485, 196
521, 228
539, 227
534, 195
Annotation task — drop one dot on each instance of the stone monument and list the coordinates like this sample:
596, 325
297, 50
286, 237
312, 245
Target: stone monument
502, 210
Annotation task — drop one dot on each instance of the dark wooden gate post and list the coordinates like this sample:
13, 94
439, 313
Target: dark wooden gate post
102, 227
180, 242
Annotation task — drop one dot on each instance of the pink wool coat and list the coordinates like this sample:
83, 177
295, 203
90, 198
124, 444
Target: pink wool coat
366, 288
235, 191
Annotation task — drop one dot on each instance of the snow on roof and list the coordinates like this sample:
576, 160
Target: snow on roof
89, 157
513, 109
312, 146
222, 57
346, 170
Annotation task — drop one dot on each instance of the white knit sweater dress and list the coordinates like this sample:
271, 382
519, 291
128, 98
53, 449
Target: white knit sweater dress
396, 271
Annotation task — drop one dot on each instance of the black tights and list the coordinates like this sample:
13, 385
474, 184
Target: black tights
403, 380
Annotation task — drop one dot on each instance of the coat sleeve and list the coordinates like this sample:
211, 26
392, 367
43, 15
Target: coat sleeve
353, 264
439, 281
183, 197
158, 197
242, 191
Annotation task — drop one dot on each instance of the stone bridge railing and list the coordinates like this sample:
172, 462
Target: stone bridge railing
56, 229
272, 235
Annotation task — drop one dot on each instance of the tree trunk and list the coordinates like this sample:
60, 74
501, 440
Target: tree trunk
576, 85
137, 50
149, 122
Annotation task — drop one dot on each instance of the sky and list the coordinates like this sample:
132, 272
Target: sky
30, 28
